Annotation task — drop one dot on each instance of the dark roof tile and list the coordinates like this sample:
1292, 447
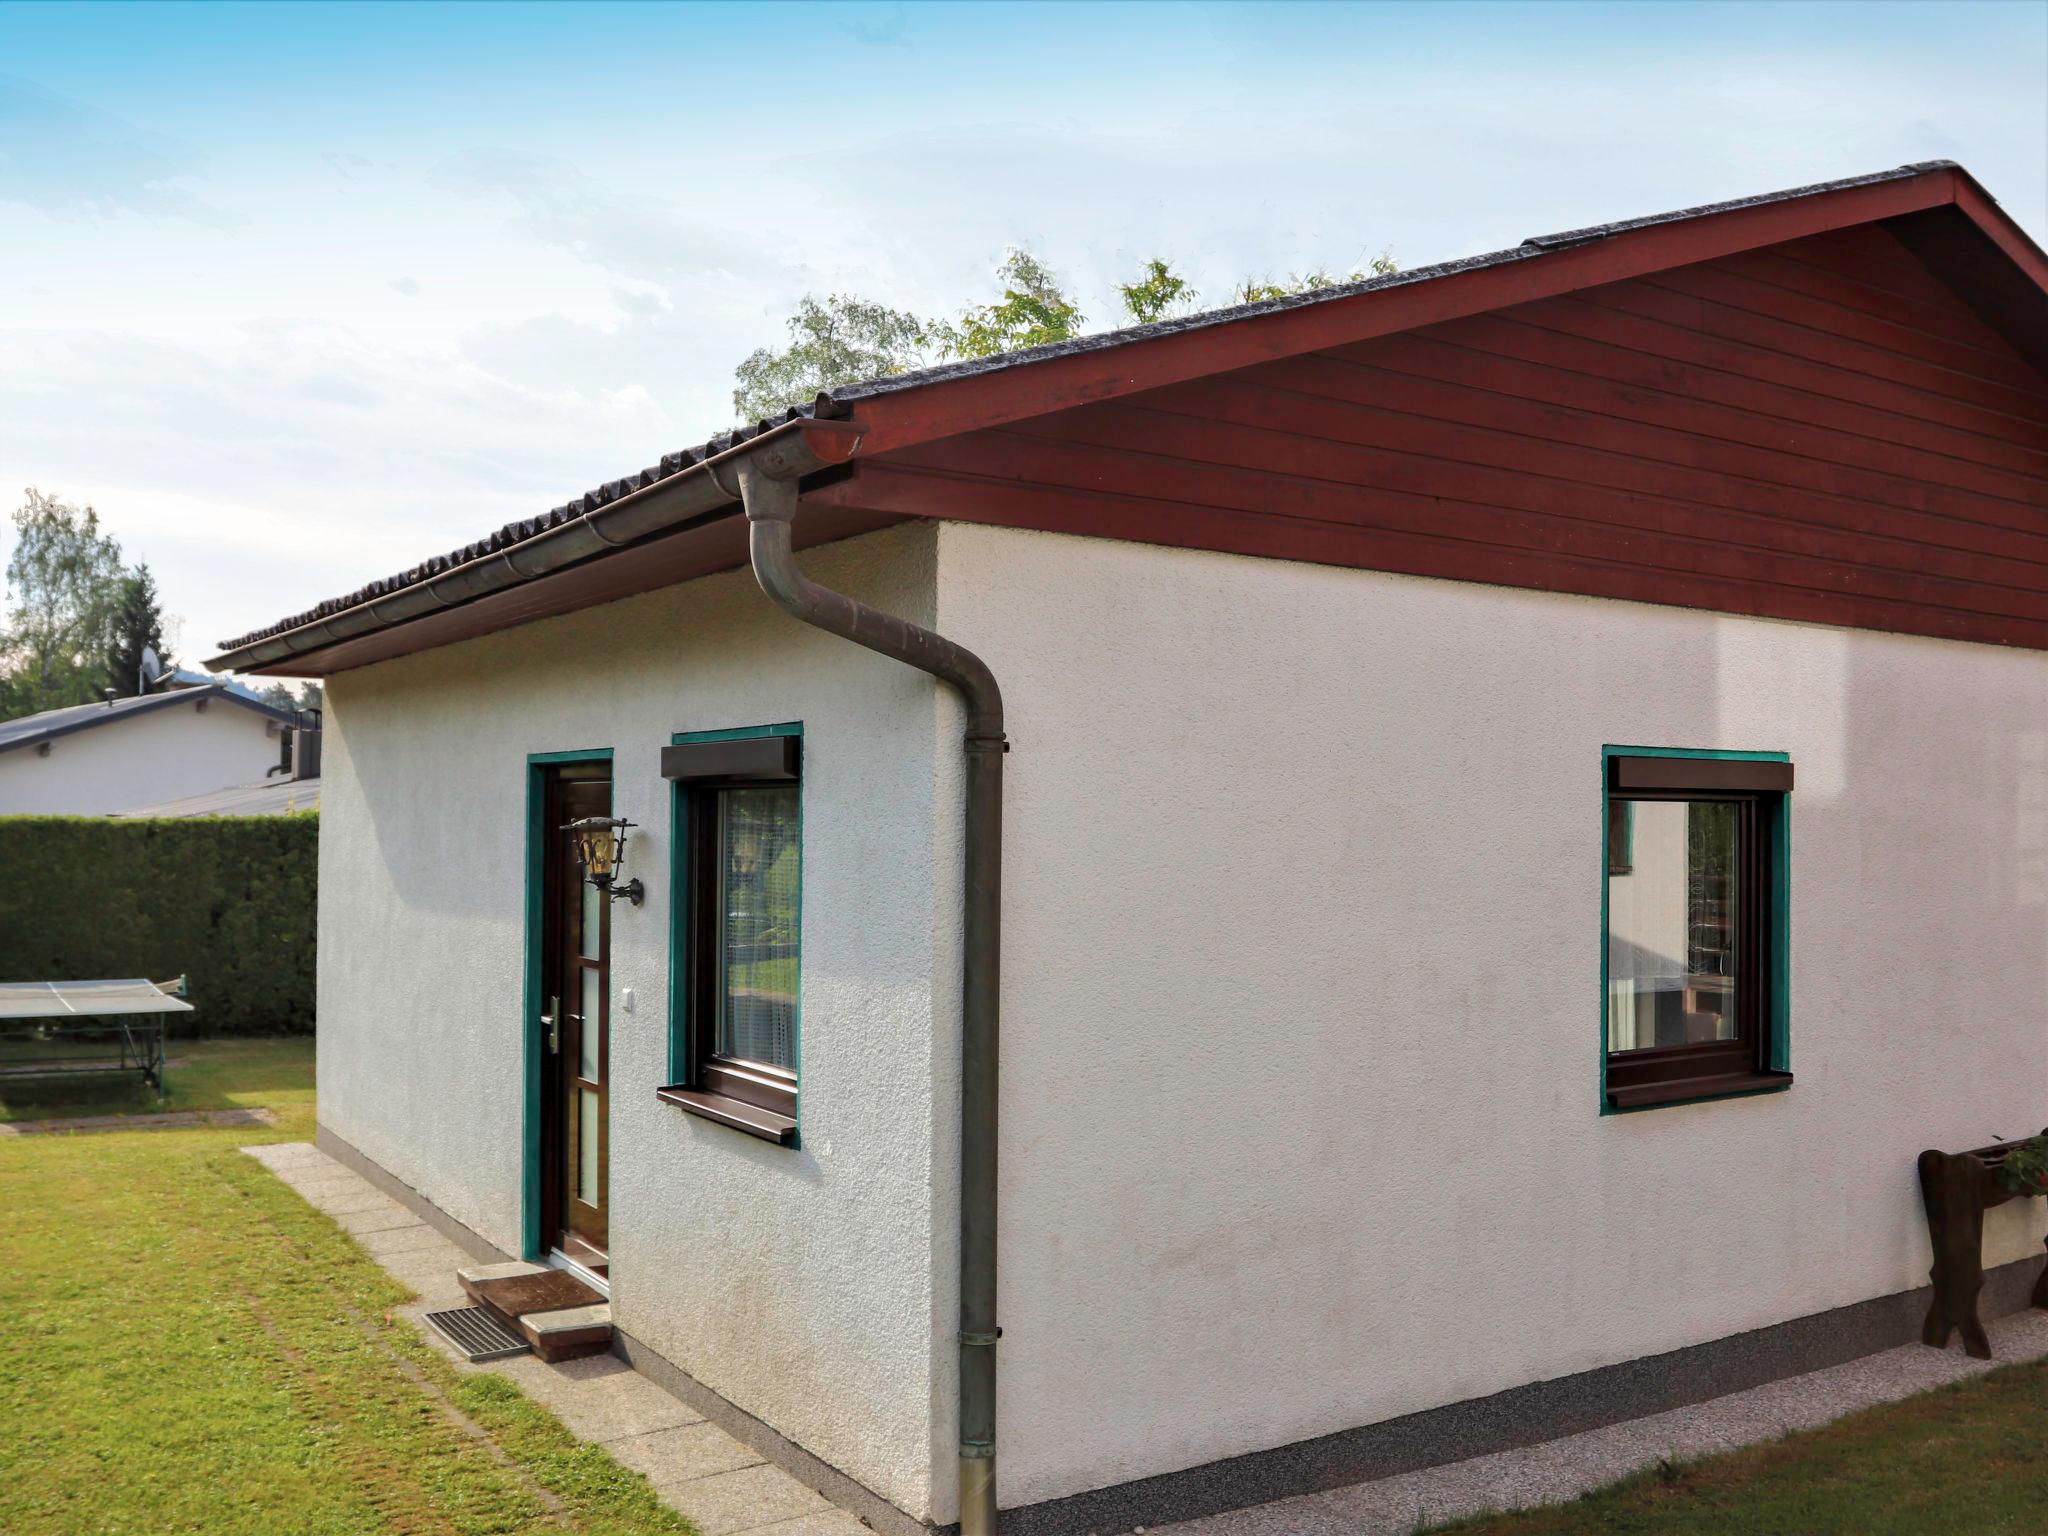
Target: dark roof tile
29, 730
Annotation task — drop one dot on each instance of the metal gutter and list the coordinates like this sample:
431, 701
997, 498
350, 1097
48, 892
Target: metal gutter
795, 449
771, 500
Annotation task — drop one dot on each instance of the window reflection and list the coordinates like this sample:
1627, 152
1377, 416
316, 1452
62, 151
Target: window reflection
1672, 926
757, 907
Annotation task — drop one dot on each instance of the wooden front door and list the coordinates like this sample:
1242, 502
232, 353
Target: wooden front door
576, 989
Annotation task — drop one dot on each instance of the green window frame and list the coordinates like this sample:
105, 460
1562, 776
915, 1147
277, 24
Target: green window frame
1752, 793
709, 771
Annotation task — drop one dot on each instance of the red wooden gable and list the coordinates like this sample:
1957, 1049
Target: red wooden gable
1829, 405
1819, 429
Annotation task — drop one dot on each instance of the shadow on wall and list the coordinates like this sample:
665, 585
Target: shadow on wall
1932, 809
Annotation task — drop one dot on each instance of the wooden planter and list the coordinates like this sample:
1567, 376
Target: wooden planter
1958, 1188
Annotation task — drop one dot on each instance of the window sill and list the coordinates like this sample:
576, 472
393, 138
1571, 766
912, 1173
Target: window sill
1691, 1090
741, 1116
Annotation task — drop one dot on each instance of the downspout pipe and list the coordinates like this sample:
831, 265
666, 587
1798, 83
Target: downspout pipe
770, 503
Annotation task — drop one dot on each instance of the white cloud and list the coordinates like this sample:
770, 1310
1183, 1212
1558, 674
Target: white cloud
635, 235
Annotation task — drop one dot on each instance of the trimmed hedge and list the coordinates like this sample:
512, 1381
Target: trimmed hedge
229, 903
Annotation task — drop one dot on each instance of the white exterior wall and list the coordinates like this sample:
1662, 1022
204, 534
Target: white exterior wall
143, 759
1302, 1002
1301, 989
796, 1283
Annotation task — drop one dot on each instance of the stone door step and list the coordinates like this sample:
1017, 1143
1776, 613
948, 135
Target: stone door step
559, 1315
570, 1332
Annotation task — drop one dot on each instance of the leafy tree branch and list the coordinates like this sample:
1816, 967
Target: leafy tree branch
844, 340
64, 586
1255, 289
839, 340
1033, 312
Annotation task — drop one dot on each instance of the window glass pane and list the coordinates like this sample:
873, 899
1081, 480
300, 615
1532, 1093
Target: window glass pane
593, 1016
757, 910
593, 920
1672, 926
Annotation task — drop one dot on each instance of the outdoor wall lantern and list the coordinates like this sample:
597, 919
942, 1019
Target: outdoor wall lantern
601, 849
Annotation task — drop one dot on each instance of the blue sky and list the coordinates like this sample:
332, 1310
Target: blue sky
298, 295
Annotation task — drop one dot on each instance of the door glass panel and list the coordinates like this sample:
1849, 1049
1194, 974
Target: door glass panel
1672, 926
757, 924
588, 1119
593, 920
593, 1023
577, 980
570, 1159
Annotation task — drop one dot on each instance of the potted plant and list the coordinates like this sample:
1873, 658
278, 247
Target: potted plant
2024, 1169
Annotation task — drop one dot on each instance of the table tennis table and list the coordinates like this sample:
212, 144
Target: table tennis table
62, 1028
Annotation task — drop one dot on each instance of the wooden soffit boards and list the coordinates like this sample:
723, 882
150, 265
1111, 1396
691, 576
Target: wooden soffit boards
2000, 278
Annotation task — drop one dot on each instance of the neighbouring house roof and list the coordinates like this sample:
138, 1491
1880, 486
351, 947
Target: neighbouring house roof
272, 797
31, 730
1936, 208
185, 677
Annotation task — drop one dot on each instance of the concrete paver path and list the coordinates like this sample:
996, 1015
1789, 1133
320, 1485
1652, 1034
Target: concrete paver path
721, 1485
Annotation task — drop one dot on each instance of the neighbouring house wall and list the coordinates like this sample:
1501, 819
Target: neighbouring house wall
1302, 1008
797, 1283
142, 759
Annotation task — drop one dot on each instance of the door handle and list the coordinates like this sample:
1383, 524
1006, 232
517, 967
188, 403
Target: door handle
553, 1020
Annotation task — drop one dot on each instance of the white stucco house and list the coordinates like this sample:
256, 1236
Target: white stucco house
1440, 849
107, 758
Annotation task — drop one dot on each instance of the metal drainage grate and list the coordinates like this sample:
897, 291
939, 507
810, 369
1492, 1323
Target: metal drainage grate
478, 1333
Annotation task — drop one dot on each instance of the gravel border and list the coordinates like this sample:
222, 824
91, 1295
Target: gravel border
1558, 1470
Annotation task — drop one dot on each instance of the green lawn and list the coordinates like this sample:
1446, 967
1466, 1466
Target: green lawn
1966, 1460
189, 1347
220, 1074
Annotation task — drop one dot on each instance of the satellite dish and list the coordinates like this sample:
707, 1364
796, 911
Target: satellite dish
152, 669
